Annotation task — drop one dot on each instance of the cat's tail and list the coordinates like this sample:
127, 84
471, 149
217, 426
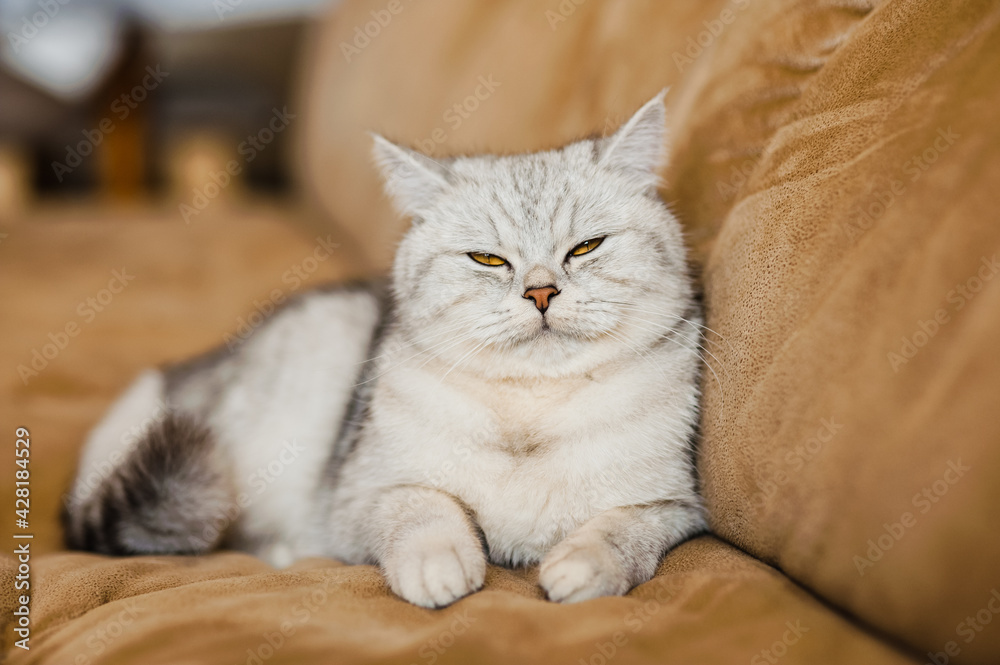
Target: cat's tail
166, 491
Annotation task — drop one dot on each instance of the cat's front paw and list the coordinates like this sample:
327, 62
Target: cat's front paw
581, 569
435, 569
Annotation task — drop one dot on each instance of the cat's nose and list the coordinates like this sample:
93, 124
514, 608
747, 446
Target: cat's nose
541, 296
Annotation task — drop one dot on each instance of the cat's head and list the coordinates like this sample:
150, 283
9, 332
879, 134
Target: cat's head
545, 264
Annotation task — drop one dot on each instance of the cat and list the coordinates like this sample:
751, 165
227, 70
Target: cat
524, 390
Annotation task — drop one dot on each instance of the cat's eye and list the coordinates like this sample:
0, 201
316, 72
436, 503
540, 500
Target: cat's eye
487, 259
585, 247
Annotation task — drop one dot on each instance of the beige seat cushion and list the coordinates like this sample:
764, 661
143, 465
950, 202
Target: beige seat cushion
708, 604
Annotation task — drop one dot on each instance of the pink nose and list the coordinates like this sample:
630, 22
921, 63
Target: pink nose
541, 296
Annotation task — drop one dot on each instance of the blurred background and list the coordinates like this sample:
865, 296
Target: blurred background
138, 102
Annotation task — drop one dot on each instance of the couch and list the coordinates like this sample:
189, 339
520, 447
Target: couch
836, 165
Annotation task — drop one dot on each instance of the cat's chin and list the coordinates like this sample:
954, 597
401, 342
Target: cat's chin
549, 338
546, 353
555, 329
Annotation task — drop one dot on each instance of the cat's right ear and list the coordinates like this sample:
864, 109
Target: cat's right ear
638, 149
414, 181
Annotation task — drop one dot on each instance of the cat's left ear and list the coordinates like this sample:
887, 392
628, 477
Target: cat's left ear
414, 181
639, 148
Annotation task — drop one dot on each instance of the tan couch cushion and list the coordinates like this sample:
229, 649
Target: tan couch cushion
835, 163
856, 283
708, 604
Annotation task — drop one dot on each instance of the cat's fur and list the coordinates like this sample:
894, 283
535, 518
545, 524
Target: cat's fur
452, 422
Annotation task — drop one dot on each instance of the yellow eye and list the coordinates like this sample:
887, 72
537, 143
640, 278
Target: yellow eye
487, 259
585, 247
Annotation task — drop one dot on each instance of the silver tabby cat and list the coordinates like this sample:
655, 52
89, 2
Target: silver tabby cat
526, 392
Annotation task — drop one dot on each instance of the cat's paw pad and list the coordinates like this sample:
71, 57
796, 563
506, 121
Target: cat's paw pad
434, 571
573, 572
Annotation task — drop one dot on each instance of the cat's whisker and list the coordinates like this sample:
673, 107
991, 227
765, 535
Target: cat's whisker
708, 365
451, 342
665, 328
469, 355
655, 312
658, 312
677, 332
424, 340
668, 333
645, 356
718, 381
454, 343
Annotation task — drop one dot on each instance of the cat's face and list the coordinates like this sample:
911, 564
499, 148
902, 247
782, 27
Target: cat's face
547, 264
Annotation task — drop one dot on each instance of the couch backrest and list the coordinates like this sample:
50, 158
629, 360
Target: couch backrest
836, 166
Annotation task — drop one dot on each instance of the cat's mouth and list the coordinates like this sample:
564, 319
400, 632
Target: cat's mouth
542, 332
549, 330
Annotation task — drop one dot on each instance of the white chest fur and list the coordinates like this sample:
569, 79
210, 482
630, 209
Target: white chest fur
532, 460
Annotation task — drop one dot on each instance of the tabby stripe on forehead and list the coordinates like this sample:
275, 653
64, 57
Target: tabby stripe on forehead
493, 225
517, 181
503, 208
573, 217
555, 213
531, 196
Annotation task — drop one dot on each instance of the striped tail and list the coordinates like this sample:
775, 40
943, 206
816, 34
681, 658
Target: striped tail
170, 495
